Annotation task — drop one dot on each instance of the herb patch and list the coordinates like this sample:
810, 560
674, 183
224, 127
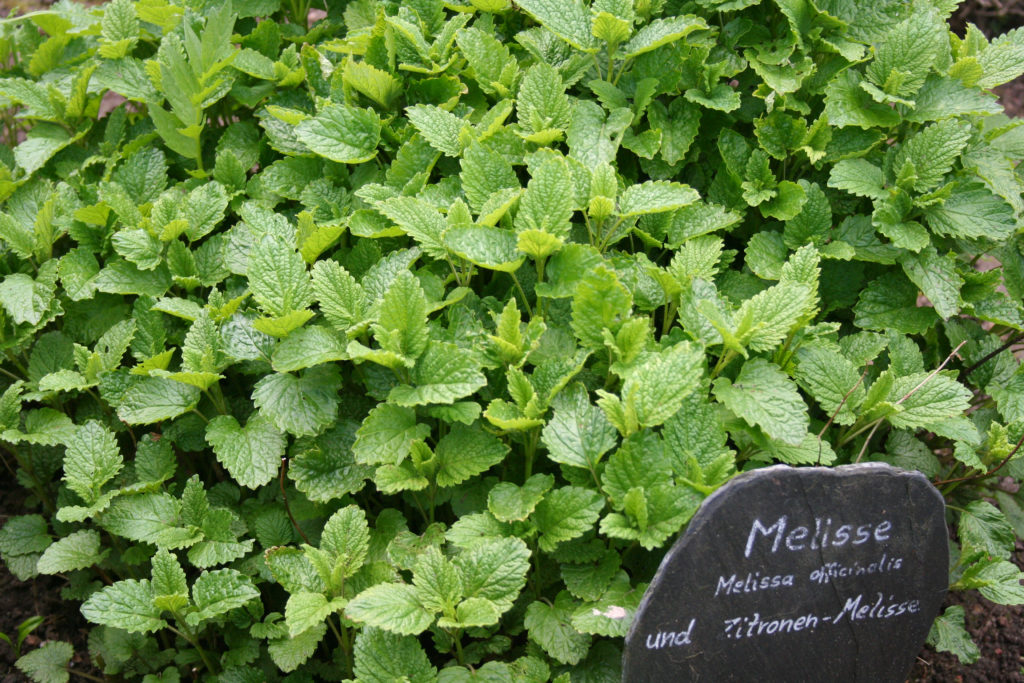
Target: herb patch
405, 342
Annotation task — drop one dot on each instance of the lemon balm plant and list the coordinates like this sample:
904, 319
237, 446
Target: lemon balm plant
403, 342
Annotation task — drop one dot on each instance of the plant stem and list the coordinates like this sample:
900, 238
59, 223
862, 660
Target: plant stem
531, 449
287, 507
458, 646
519, 288
989, 356
193, 642
346, 650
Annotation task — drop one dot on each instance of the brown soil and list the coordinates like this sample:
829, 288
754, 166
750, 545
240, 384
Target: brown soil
998, 630
21, 600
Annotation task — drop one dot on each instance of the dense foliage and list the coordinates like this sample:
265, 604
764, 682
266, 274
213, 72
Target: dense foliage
404, 343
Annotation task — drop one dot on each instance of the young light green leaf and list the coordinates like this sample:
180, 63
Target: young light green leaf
949, 635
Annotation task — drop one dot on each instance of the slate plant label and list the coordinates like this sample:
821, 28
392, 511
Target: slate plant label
790, 574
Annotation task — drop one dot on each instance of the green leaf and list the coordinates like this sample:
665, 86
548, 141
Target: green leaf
983, 527
154, 399
594, 136
640, 463
150, 517
341, 299
386, 434
420, 220
169, 577
859, 177
218, 592
492, 65
567, 19
933, 151
949, 635
763, 396
832, 380
443, 374
325, 468
437, 581
655, 196
465, 452
383, 656
657, 385
92, 458
550, 626
393, 607
251, 455
289, 653
600, 302
485, 246
566, 513
204, 209
847, 104
890, 302
25, 299
547, 203
379, 86
41, 144
937, 277
578, 433
927, 403
77, 550
306, 610
943, 97
662, 32
1002, 60
442, 129
127, 605
485, 172
306, 347
972, 211
48, 663
511, 503
494, 570
304, 405
278, 278
403, 316
542, 105
341, 133
347, 536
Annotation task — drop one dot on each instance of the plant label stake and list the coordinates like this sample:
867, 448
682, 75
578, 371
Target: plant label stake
797, 574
